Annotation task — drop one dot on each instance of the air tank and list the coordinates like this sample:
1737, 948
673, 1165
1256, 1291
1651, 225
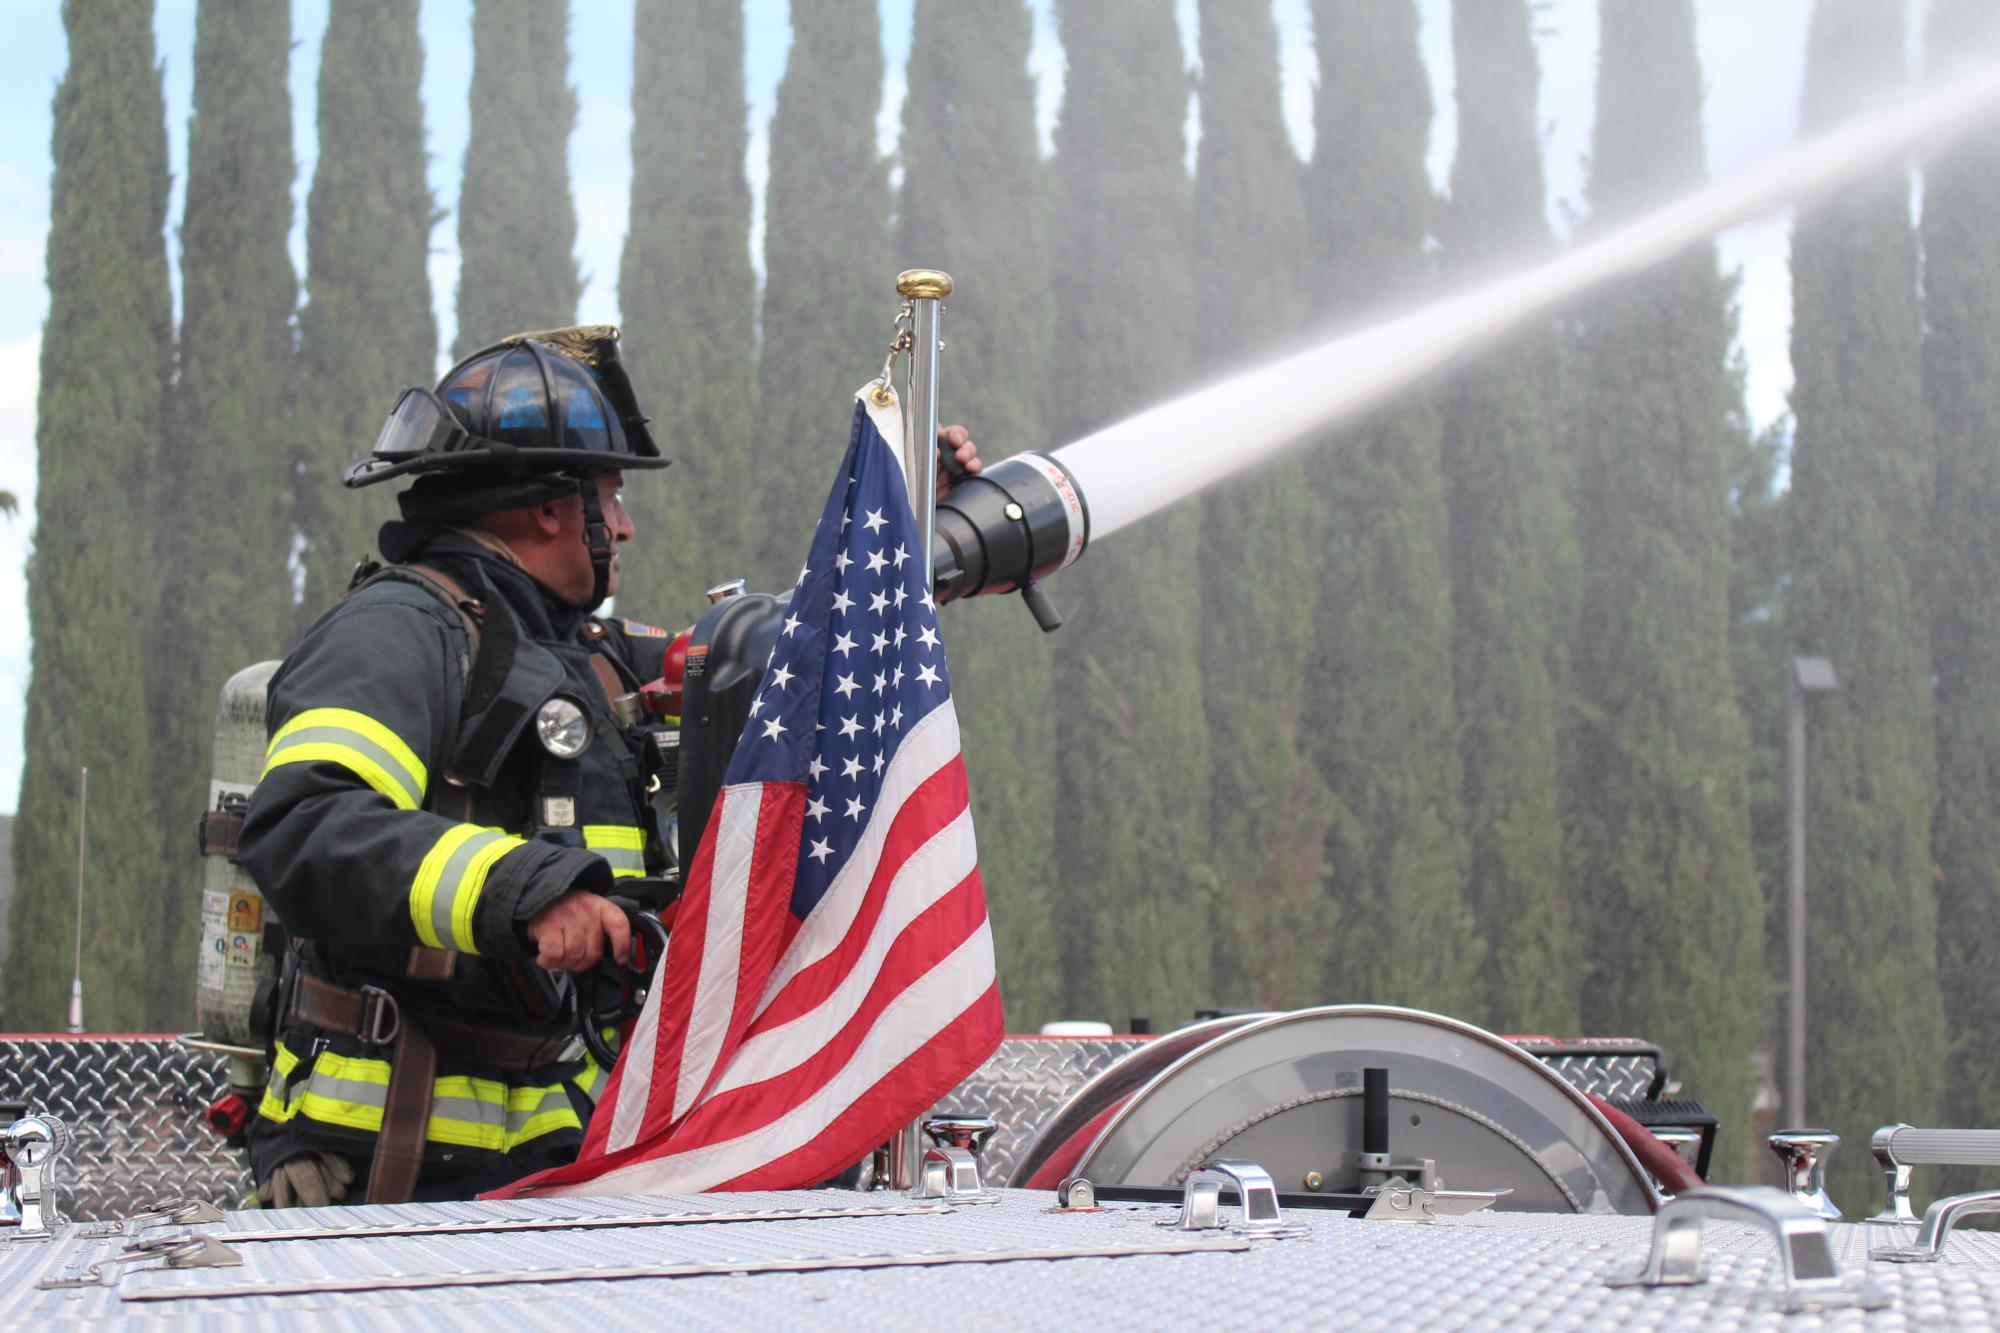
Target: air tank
233, 957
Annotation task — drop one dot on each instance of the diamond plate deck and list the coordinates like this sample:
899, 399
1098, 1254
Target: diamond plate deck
134, 1106
1483, 1271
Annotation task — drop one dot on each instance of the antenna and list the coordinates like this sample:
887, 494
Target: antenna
76, 976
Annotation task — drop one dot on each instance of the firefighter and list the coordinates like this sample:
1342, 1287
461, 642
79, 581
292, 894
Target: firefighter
449, 793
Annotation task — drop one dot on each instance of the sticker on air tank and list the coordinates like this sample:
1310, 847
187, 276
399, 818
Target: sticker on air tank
214, 938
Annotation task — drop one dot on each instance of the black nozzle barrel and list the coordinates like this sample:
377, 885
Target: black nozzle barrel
1375, 1110
1019, 519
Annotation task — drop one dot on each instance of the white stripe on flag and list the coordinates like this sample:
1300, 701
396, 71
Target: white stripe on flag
931, 872
924, 1009
722, 946
931, 744
635, 1076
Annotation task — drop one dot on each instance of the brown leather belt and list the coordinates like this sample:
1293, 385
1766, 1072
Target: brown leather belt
373, 1015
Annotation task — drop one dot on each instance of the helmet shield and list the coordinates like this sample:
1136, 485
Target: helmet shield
419, 423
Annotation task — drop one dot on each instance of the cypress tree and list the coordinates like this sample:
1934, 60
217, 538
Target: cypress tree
975, 203
1509, 527
1382, 729
367, 327
225, 594
1961, 291
1656, 810
688, 297
1268, 808
105, 356
1133, 737
516, 219
1862, 470
829, 290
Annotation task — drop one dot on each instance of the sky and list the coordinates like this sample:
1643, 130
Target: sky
1753, 55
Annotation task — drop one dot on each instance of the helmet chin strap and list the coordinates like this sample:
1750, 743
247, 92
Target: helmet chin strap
596, 536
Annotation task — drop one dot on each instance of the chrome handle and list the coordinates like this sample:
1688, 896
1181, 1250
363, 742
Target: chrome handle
1897, 1148
1804, 1153
1811, 1276
1939, 1219
1201, 1200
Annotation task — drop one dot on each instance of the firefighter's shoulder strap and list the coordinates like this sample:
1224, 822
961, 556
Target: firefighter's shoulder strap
453, 797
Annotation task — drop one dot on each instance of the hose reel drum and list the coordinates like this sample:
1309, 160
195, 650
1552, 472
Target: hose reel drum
1465, 1108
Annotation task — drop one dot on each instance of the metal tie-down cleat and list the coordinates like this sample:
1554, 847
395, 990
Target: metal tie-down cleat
1812, 1278
949, 1168
1804, 1153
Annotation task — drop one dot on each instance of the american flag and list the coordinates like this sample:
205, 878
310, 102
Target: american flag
830, 973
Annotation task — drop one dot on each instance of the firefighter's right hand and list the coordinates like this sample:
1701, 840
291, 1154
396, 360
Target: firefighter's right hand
310, 1180
571, 933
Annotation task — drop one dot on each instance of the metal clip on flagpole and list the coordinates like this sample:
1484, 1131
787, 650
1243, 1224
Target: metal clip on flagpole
923, 291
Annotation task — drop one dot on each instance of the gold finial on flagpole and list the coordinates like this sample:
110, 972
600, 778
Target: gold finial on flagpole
923, 284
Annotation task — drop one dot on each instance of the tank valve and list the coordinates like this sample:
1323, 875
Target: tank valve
227, 1114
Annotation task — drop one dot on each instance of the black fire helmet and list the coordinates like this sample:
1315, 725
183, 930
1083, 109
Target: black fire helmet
529, 420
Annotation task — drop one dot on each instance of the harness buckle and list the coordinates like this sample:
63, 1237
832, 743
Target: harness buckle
381, 1017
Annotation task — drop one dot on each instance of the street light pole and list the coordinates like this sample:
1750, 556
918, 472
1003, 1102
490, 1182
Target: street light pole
1803, 675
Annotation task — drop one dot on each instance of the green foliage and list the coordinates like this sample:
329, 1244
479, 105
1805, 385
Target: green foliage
1862, 471
1961, 293
104, 367
688, 297
367, 327
516, 220
1134, 760
1656, 801
975, 203
1510, 545
224, 600
1382, 730
829, 291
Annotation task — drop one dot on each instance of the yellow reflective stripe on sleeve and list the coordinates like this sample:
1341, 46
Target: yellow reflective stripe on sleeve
358, 743
449, 881
622, 846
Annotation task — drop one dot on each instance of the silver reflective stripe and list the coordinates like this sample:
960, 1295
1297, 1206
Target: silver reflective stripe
452, 883
349, 739
623, 860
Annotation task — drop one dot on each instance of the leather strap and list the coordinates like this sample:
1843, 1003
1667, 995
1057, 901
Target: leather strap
399, 1148
375, 1017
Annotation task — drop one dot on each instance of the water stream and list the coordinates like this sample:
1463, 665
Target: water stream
1169, 452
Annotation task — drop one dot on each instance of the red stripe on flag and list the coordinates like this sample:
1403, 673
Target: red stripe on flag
939, 800
927, 941
899, 1096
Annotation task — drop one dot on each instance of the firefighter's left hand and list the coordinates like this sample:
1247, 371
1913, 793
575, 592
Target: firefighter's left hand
958, 440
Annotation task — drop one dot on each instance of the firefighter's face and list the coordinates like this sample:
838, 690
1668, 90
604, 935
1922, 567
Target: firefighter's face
571, 575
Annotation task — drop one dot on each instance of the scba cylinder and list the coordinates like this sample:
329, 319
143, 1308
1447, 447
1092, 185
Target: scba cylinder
233, 957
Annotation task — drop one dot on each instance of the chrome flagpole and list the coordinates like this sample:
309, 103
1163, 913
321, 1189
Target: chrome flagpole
924, 290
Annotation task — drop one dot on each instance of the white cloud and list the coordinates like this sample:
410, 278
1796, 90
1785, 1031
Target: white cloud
23, 247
